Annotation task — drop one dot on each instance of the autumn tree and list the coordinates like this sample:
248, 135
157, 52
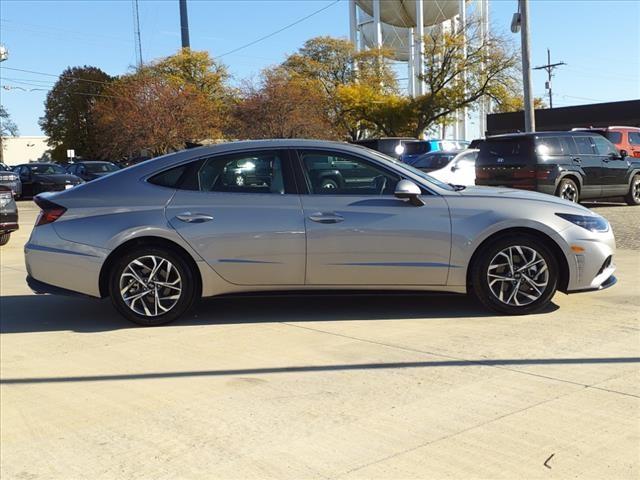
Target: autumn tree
282, 105
163, 105
346, 77
68, 120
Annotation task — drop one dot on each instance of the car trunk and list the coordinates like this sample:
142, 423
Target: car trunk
507, 162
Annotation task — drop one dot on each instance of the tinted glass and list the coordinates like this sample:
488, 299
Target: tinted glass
335, 174
583, 145
503, 148
604, 146
433, 161
614, 137
48, 169
100, 167
245, 173
634, 138
549, 146
416, 148
568, 146
169, 178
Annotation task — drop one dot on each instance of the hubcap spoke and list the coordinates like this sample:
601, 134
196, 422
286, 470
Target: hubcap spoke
150, 285
520, 281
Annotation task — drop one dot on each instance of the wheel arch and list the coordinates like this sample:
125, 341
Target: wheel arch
570, 175
147, 241
563, 264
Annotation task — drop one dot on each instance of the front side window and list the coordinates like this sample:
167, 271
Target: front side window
604, 146
634, 138
331, 173
584, 146
614, 137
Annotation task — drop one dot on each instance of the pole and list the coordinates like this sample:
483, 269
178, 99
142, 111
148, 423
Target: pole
377, 25
549, 68
136, 33
412, 63
184, 24
462, 127
529, 118
419, 70
353, 24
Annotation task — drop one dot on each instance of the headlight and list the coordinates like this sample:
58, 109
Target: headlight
5, 198
8, 178
591, 223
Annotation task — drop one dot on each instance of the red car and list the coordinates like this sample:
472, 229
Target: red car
624, 138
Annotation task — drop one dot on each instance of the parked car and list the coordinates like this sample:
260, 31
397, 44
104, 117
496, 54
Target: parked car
457, 167
159, 235
572, 165
625, 139
90, 170
10, 180
8, 214
44, 177
392, 146
408, 150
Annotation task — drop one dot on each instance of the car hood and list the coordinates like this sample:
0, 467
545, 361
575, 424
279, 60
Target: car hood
56, 178
513, 194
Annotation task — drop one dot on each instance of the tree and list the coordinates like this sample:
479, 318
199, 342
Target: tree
455, 80
335, 65
512, 100
7, 128
283, 105
68, 118
178, 99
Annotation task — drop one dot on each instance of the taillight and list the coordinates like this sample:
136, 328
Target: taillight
50, 212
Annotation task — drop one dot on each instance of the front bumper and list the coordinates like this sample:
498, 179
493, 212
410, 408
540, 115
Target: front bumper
8, 222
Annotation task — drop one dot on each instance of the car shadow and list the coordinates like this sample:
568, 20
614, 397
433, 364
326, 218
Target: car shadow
42, 313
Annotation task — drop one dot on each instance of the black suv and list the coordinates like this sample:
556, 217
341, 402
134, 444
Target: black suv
572, 165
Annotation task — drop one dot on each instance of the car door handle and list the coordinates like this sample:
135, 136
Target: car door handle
189, 217
576, 161
326, 217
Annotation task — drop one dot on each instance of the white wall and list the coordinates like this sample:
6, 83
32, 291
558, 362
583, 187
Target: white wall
17, 150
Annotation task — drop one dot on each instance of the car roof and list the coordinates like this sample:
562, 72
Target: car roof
538, 134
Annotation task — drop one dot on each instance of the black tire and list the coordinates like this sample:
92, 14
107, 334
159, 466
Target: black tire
4, 238
188, 284
480, 276
568, 190
328, 183
633, 196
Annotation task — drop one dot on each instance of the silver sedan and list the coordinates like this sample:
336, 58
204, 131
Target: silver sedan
300, 214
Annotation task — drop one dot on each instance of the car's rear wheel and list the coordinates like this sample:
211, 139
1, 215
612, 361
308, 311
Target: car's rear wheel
4, 238
516, 275
152, 286
633, 197
568, 190
329, 184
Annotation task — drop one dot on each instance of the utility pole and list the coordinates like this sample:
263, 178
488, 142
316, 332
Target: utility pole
136, 33
184, 24
520, 23
549, 67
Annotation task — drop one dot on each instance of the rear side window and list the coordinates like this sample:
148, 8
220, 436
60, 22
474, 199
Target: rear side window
634, 138
568, 146
416, 148
507, 150
583, 143
614, 137
244, 173
169, 178
549, 146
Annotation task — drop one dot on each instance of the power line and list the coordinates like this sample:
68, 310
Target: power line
549, 67
54, 75
279, 30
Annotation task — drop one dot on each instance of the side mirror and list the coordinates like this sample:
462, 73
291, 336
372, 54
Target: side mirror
623, 154
406, 189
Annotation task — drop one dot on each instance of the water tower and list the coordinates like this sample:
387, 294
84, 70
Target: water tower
397, 25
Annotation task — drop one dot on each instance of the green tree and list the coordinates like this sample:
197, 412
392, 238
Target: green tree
7, 128
68, 118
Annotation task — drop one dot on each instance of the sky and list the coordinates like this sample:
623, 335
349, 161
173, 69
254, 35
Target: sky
598, 39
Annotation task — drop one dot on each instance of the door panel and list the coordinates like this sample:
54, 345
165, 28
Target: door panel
248, 239
591, 164
614, 168
376, 241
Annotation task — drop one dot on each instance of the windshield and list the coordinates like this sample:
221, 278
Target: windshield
435, 161
100, 167
46, 169
403, 166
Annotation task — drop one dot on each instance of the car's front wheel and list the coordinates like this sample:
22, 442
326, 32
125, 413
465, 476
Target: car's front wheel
4, 238
568, 190
516, 275
633, 197
152, 286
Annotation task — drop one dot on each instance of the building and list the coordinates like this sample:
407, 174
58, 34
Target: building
17, 150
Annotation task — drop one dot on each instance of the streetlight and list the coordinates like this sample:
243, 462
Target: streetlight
520, 23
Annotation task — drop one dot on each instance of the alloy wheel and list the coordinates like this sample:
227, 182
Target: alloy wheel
150, 285
569, 192
635, 190
518, 275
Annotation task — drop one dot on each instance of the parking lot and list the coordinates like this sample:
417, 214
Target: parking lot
349, 386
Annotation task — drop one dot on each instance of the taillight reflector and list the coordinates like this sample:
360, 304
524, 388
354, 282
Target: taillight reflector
50, 212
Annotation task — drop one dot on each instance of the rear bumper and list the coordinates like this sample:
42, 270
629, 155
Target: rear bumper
41, 288
8, 227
